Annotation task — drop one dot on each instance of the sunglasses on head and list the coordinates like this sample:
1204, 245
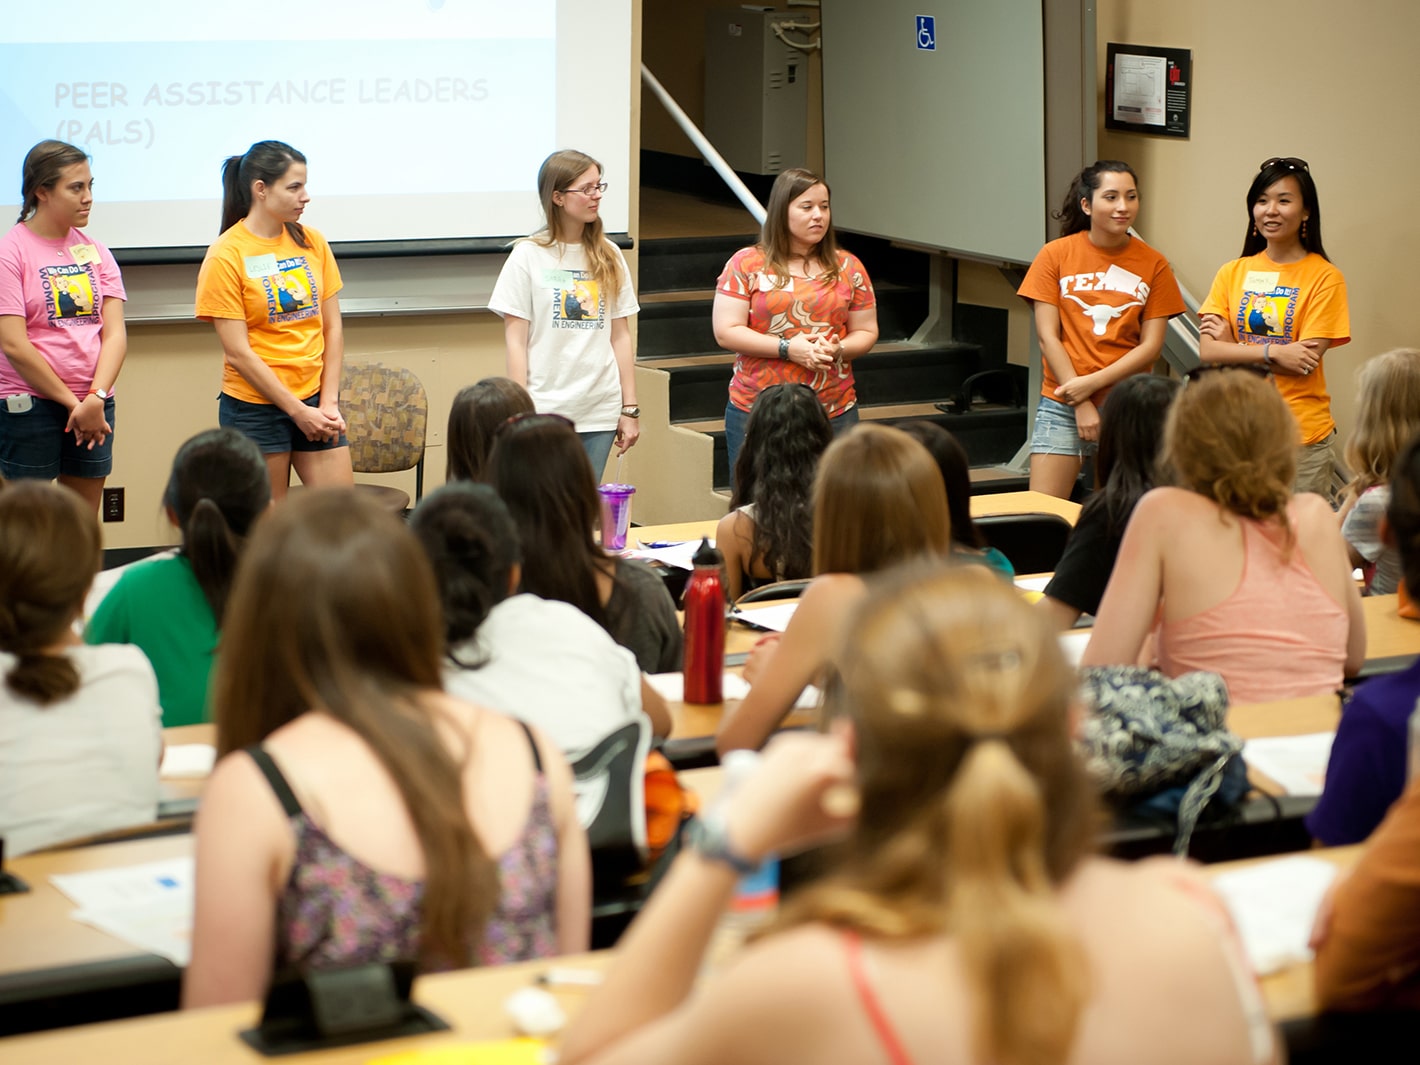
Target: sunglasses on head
1290, 162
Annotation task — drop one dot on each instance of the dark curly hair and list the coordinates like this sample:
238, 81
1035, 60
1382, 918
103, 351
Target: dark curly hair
786, 433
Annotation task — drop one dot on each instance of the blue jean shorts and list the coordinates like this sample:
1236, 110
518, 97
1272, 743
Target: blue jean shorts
1055, 432
34, 445
270, 427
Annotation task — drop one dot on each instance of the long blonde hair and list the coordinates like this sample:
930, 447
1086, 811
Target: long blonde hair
552, 177
974, 807
1387, 416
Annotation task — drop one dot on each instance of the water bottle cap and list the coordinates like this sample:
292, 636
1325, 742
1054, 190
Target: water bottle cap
705, 554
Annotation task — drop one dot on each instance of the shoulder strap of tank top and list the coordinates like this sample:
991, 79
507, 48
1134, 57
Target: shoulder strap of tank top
274, 777
537, 758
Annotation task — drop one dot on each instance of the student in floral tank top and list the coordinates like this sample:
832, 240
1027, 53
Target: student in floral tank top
794, 308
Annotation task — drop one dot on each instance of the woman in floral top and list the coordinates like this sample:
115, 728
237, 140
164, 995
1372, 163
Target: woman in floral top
794, 308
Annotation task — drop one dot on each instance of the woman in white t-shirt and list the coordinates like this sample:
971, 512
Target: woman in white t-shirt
566, 299
80, 727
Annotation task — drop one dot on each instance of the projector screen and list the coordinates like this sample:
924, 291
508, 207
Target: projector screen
420, 119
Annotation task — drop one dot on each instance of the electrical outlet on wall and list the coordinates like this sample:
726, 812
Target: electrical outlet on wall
112, 508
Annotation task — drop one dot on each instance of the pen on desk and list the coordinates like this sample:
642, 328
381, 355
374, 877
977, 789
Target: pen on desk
562, 977
661, 543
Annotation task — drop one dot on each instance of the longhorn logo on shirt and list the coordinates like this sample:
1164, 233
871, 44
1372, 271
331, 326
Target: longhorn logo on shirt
1093, 286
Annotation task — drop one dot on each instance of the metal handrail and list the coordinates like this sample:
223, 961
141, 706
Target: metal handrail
707, 150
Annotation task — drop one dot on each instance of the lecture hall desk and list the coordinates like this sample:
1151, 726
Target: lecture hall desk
471, 1001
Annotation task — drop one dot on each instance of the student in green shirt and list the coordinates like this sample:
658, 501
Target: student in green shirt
171, 607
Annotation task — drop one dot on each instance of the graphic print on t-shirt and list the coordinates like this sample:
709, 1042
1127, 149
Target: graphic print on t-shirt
576, 301
69, 295
291, 291
1267, 316
1097, 295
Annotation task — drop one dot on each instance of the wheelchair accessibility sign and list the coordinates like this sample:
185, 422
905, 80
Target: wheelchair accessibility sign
927, 33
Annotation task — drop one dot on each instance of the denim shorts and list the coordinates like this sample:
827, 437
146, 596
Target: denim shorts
270, 427
34, 445
1055, 432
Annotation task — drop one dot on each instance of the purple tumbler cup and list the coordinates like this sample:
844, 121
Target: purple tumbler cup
616, 514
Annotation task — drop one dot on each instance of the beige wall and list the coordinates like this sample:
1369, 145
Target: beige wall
1334, 84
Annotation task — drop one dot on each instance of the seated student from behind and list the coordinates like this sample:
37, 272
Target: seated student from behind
80, 727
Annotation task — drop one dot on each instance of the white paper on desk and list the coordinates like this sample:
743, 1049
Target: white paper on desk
1072, 645
671, 687
104, 889
162, 926
187, 761
774, 618
1034, 584
1297, 763
678, 555
1273, 905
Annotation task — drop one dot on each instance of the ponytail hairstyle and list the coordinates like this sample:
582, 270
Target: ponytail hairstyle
1387, 416
475, 415
1231, 438
1127, 465
42, 167
1072, 216
1403, 513
554, 178
1271, 172
218, 487
785, 436
49, 553
473, 544
334, 608
264, 161
774, 239
974, 807
878, 500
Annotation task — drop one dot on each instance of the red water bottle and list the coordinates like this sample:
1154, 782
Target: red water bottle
705, 628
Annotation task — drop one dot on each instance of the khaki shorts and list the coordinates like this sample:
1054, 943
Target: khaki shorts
1315, 463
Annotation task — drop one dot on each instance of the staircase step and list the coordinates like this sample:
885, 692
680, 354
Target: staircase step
686, 262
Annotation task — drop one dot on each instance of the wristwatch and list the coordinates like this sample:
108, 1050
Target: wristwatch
631, 411
709, 836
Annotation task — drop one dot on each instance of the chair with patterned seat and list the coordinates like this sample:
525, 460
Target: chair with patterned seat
386, 417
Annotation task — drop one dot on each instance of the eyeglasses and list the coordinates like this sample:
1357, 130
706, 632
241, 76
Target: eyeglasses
1290, 162
529, 415
595, 189
1204, 369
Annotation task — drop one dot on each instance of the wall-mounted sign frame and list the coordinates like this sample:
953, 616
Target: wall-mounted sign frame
1148, 90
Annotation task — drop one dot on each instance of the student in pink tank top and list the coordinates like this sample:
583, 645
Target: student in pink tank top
1231, 572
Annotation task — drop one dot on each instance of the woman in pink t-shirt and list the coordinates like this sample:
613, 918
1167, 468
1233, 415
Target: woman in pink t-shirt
62, 337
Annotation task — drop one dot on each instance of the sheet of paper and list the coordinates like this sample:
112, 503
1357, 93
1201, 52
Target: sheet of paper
1273, 905
187, 761
775, 618
1034, 583
148, 906
678, 555
1072, 644
671, 687
1296, 763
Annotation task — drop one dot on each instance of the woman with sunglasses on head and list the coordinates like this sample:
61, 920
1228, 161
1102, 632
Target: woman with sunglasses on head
269, 285
62, 337
566, 300
1281, 307
794, 307
1102, 299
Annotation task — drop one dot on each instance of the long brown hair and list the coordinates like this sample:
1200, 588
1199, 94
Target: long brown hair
554, 176
43, 165
974, 807
774, 239
878, 500
474, 416
1231, 438
49, 552
334, 610
1387, 416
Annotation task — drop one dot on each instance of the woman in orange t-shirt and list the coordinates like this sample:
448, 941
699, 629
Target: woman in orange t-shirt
1102, 299
1281, 307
